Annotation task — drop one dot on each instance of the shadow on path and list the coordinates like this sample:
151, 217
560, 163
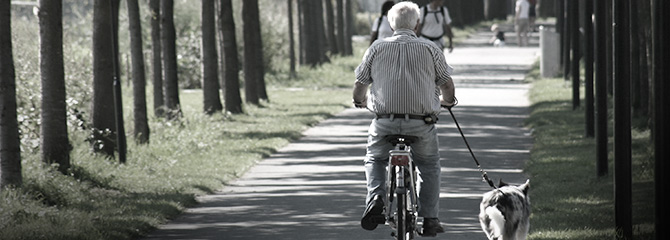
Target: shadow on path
315, 187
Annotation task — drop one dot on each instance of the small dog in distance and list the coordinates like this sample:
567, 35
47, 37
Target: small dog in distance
505, 212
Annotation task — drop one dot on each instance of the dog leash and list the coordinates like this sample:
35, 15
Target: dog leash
484, 175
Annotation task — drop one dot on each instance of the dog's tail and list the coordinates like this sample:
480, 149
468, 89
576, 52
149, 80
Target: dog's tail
497, 221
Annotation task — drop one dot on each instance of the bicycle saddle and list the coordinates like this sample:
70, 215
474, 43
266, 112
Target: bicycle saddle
407, 139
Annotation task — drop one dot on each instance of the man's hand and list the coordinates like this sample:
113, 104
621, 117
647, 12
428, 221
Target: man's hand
447, 104
361, 104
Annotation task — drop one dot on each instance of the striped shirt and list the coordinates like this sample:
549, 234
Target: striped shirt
404, 72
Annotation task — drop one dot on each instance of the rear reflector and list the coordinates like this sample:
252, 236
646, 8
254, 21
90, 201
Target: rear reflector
400, 160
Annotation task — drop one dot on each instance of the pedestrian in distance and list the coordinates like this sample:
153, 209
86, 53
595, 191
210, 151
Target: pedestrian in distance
435, 23
522, 22
409, 80
381, 28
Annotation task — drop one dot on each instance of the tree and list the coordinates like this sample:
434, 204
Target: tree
661, 65
330, 30
231, 68
588, 68
103, 126
340, 26
157, 62
210, 73
322, 47
10, 146
54, 137
292, 41
573, 15
254, 82
622, 121
312, 32
169, 44
348, 28
601, 87
141, 131
495, 9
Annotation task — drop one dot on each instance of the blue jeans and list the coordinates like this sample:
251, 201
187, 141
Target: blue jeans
424, 152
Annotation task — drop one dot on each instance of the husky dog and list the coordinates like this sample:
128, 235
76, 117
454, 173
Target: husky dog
505, 212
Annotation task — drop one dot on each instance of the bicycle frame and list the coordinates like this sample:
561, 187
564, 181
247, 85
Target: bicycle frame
401, 191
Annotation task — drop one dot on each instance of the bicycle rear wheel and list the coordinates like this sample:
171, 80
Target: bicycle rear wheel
401, 217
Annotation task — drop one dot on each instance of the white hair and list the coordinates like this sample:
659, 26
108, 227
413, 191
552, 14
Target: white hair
404, 15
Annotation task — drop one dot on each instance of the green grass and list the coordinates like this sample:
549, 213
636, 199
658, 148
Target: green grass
199, 154
569, 200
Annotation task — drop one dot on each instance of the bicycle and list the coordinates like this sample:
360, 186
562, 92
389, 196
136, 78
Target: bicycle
401, 188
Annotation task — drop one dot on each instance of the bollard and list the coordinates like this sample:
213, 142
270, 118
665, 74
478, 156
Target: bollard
549, 62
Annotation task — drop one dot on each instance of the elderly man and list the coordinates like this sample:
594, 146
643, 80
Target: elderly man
406, 75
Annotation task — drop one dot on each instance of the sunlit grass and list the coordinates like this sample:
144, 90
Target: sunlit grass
197, 154
569, 200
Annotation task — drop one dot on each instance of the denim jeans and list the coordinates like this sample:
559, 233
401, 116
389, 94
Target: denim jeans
424, 152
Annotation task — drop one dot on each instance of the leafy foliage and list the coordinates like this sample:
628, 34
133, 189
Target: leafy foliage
101, 199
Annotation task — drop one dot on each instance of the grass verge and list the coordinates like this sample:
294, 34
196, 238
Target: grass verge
569, 200
199, 154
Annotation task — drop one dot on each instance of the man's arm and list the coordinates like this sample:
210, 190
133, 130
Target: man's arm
448, 94
448, 32
360, 95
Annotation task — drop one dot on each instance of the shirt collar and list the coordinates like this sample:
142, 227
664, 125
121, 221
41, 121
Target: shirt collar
404, 32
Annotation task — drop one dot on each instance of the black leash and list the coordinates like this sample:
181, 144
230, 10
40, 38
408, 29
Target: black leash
484, 175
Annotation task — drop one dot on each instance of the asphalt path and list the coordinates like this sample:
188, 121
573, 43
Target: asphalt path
314, 188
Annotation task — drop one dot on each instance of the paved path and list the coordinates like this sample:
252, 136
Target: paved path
315, 187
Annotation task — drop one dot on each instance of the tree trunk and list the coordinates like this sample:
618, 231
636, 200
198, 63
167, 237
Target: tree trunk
330, 30
588, 67
310, 11
455, 12
55, 143
622, 122
495, 9
340, 26
566, 36
292, 41
601, 63
644, 37
210, 73
253, 54
476, 11
349, 28
10, 146
141, 131
575, 45
157, 62
634, 29
301, 32
321, 32
310, 34
104, 127
168, 42
661, 132
231, 67
610, 46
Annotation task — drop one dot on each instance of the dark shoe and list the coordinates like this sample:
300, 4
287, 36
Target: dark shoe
373, 214
431, 227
